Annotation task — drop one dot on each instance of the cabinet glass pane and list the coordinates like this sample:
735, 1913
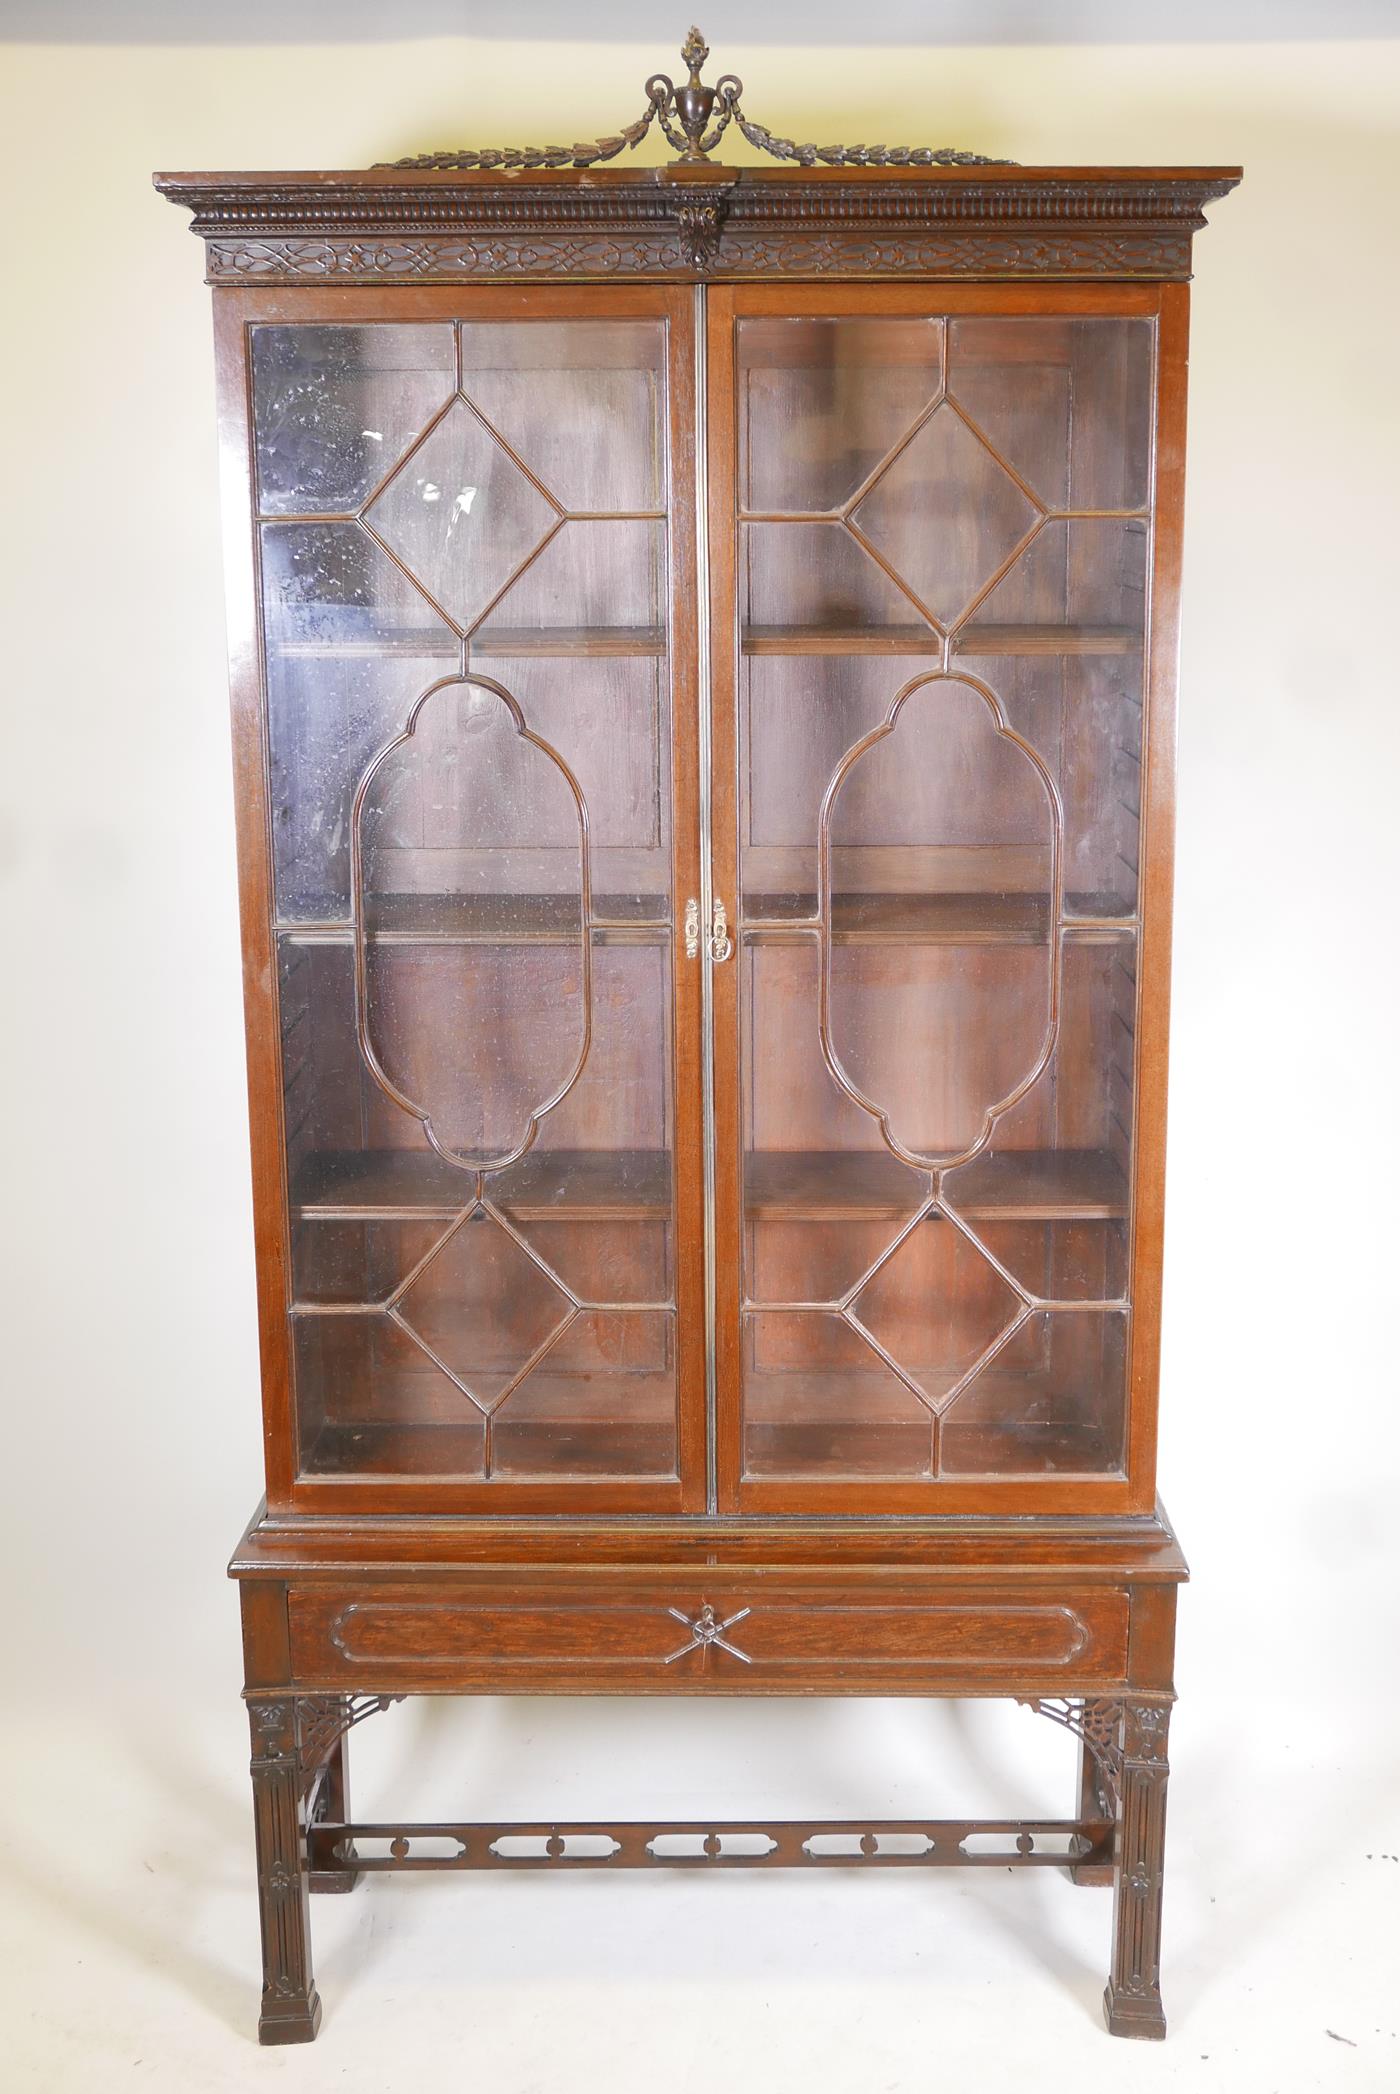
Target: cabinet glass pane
942, 590
466, 639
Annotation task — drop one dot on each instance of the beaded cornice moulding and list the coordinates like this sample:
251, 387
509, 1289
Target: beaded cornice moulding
547, 211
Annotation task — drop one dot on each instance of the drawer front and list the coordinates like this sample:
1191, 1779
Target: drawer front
728, 1637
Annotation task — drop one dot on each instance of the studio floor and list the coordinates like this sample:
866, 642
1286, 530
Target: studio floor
130, 1949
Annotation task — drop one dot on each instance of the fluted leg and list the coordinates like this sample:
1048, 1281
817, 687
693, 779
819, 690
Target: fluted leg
1133, 2001
291, 2008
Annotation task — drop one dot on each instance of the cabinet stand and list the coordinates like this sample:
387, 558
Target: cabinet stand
957, 1616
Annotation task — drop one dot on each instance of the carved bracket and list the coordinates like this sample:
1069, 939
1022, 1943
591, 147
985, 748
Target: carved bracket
1120, 1735
700, 228
324, 1719
1099, 1727
305, 1729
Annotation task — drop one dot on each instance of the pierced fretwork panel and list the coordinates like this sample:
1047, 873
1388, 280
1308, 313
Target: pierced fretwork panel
942, 570
465, 571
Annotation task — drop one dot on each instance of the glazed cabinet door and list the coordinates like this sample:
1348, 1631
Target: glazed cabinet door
933, 517
467, 756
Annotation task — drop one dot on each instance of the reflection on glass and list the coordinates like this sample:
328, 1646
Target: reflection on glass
350, 643
461, 515
336, 407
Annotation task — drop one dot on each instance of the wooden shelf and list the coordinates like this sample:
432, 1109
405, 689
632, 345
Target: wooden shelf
580, 1185
841, 639
500, 641
495, 643
525, 1447
934, 919
494, 919
857, 919
1012, 1185
854, 1441
922, 640
1048, 639
1039, 1185
925, 919
411, 1185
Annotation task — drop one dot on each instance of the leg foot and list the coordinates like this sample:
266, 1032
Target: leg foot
1133, 2001
290, 2021
1127, 2016
331, 1883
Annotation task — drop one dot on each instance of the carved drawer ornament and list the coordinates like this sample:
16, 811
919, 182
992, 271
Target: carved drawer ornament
705, 1630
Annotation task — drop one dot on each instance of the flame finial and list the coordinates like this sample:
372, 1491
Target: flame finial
694, 52
693, 104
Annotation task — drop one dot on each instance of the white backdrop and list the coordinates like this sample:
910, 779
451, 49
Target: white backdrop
131, 1429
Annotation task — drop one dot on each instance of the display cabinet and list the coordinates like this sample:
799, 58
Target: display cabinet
703, 668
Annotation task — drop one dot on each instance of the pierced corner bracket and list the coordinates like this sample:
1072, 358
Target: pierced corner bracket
1099, 1727
303, 1730
324, 1719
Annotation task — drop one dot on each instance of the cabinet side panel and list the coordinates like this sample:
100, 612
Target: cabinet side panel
247, 704
1158, 828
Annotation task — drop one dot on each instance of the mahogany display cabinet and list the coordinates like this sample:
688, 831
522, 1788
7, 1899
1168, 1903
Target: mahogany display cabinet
703, 654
